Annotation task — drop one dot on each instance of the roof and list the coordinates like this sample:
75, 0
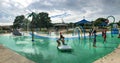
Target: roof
84, 21
61, 24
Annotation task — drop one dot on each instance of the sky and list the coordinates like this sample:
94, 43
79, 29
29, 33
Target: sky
58, 10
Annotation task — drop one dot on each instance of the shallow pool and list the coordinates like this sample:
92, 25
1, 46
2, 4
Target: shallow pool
43, 50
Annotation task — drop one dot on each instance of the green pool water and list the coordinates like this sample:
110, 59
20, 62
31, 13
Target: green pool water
43, 50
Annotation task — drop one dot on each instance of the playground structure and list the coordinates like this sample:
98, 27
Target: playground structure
16, 32
46, 48
114, 27
43, 45
79, 31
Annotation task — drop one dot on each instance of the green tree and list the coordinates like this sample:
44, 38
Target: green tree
26, 24
18, 21
111, 24
70, 25
44, 20
119, 23
98, 21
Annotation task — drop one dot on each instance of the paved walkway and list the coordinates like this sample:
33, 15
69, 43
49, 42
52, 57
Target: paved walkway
8, 56
113, 57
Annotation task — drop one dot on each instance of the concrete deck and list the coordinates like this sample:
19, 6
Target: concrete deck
113, 57
8, 56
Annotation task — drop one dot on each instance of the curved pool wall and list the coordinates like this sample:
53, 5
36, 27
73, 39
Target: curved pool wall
52, 37
43, 50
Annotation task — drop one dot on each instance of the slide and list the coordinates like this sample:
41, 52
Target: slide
16, 32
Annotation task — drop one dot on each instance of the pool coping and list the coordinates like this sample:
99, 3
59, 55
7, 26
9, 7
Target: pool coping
9, 56
113, 57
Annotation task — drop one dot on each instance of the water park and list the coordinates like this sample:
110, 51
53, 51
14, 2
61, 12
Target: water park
78, 44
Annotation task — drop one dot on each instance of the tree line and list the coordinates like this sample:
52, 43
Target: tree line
39, 20
42, 20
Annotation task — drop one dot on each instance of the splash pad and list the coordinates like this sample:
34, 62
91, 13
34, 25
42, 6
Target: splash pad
44, 50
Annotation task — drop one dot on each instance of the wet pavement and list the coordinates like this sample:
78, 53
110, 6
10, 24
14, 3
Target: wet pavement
8, 56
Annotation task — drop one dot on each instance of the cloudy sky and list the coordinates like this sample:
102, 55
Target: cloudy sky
68, 10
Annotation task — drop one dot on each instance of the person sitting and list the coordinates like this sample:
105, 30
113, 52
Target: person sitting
61, 39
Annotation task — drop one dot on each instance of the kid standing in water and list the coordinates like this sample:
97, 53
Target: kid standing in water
61, 39
90, 33
94, 34
104, 34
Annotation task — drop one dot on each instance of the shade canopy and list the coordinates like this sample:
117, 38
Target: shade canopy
83, 22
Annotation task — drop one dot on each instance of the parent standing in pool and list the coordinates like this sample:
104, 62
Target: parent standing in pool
61, 39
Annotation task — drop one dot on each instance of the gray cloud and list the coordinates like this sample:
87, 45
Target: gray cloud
73, 5
9, 10
89, 8
111, 7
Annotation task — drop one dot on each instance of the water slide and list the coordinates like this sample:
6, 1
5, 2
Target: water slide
16, 32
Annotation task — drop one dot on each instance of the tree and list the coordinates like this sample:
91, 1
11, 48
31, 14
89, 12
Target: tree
99, 21
44, 20
26, 24
70, 25
111, 24
18, 21
40, 20
119, 23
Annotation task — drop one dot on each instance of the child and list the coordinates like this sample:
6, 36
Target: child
90, 33
61, 39
104, 34
94, 33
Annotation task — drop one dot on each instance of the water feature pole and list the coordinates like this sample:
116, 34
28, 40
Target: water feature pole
32, 34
